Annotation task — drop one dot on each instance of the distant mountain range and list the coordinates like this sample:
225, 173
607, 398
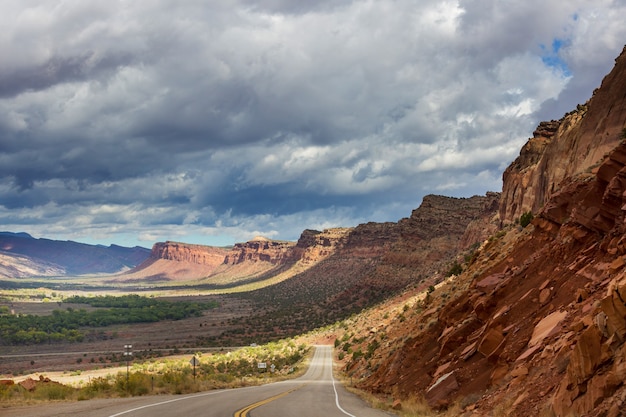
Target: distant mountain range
22, 255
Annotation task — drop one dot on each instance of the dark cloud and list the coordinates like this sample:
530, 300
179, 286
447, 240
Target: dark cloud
224, 120
59, 70
296, 7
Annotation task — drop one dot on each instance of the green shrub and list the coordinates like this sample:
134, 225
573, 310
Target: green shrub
53, 391
525, 219
356, 355
456, 269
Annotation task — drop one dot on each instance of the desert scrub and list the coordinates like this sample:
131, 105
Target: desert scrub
175, 376
455, 269
525, 219
53, 391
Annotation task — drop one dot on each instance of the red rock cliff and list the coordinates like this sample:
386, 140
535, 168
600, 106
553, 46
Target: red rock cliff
260, 249
314, 246
537, 323
566, 148
185, 252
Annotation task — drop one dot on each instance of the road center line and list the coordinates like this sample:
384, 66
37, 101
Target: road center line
244, 411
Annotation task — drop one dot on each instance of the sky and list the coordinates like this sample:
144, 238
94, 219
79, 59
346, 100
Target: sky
132, 122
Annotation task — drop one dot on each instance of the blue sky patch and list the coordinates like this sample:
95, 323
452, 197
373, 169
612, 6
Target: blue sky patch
551, 57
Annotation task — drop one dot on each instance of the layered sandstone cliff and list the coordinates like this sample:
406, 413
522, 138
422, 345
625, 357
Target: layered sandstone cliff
314, 246
566, 148
260, 249
537, 323
176, 261
185, 252
341, 271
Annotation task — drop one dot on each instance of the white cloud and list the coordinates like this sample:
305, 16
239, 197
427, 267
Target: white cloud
217, 120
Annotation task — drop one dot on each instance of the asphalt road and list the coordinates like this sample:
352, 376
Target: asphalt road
315, 394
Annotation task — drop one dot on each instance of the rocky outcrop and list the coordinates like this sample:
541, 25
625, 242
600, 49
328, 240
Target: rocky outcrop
542, 323
260, 249
536, 325
567, 148
522, 190
341, 271
176, 261
597, 363
185, 252
439, 216
30, 384
315, 246
440, 228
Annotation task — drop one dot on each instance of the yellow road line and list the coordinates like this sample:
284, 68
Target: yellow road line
244, 411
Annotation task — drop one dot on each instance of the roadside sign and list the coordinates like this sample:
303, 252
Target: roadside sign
262, 365
194, 362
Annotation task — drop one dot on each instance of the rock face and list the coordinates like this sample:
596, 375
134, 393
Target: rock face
260, 250
315, 246
597, 361
341, 271
176, 261
439, 229
184, 252
565, 148
538, 319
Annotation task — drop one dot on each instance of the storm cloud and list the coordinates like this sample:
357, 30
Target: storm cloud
131, 122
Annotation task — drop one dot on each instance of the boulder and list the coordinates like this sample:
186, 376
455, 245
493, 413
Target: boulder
586, 356
438, 394
491, 342
547, 327
614, 307
488, 284
28, 384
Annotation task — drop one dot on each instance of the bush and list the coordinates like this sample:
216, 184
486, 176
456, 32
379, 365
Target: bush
357, 355
456, 269
53, 391
525, 219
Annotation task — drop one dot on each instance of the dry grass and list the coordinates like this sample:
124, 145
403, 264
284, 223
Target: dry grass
172, 375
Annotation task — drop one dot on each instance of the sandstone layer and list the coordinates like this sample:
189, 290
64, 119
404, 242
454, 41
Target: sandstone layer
566, 148
536, 324
342, 271
260, 250
185, 252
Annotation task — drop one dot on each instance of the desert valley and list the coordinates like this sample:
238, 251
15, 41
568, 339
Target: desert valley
507, 304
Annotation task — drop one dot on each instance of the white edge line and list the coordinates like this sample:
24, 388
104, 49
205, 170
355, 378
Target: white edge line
204, 394
335, 389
